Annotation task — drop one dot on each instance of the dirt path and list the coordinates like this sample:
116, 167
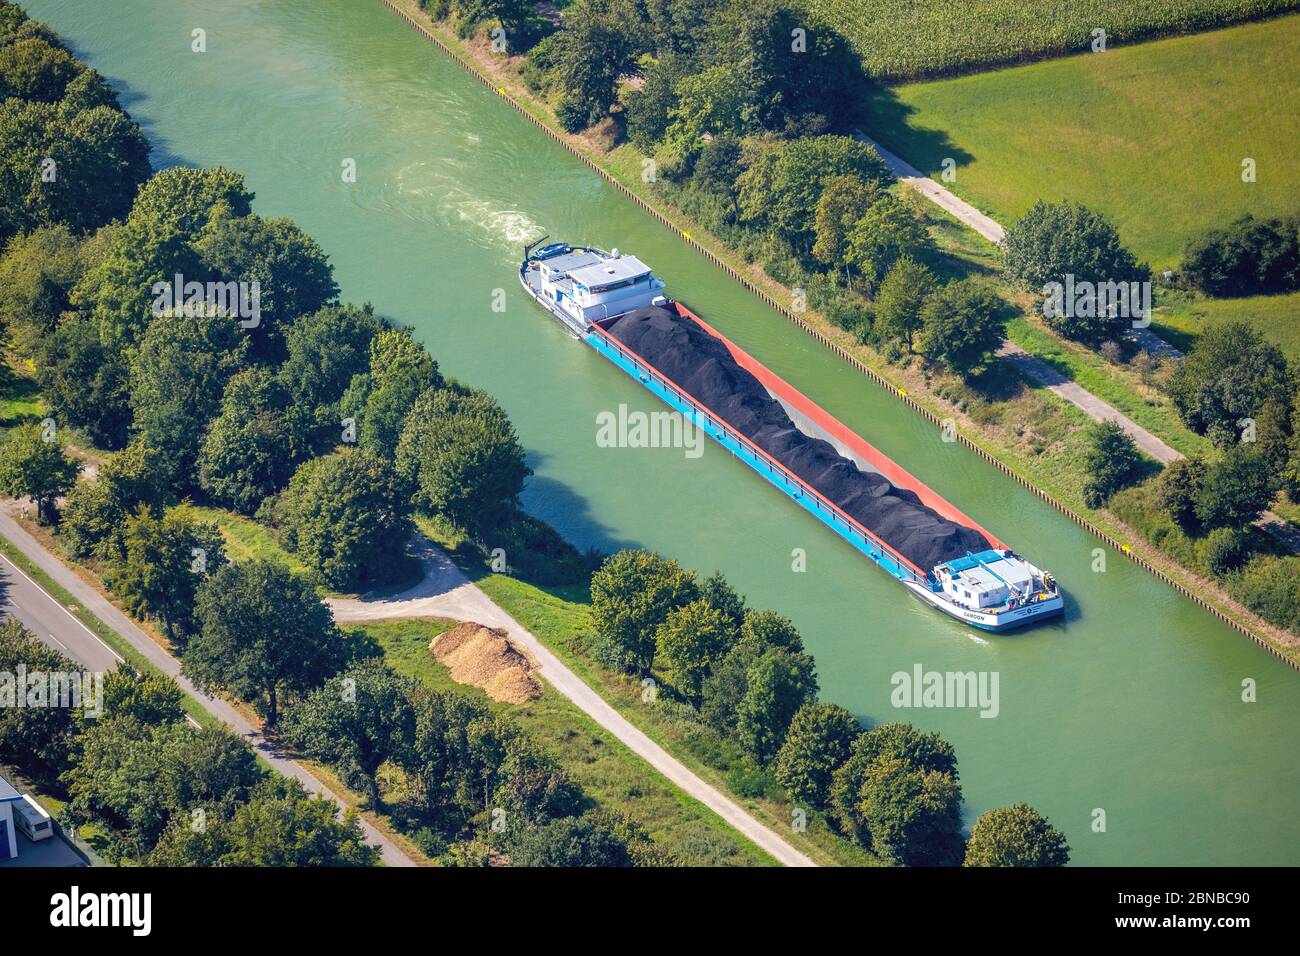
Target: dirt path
444, 591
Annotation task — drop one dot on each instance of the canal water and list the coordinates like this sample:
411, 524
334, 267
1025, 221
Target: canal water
1129, 709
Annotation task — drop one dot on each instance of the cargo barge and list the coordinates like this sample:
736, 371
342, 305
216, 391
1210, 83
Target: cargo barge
615, 303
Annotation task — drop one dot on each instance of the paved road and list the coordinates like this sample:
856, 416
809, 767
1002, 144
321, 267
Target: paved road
942, 197
57, 626
445, 592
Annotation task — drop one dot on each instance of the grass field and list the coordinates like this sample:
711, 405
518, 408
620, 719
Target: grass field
1179, 320
904, 39
1152, 135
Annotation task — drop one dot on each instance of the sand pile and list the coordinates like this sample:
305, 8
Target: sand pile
484, 657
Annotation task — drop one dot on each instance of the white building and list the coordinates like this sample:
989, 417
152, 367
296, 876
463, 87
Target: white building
9, 797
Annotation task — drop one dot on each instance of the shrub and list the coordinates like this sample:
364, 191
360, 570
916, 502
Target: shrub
1247, 257
1112, 461
1226, 550
1270, 587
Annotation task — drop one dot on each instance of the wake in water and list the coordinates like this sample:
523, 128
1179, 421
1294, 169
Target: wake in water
424, 181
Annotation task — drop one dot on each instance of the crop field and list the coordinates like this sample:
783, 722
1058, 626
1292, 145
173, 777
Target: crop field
1154, 136
910, 39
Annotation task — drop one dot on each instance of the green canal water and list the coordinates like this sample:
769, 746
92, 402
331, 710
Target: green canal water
1131, 704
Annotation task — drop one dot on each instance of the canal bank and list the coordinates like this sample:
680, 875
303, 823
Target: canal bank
1132, 704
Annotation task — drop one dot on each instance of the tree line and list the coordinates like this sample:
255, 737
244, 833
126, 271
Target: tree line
744, 674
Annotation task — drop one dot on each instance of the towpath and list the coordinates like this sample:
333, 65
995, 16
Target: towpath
444, 591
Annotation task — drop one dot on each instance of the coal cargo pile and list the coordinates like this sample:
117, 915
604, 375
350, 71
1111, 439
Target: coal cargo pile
701, 365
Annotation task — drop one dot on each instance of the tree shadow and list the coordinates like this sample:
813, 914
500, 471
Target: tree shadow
161, 154
888, 121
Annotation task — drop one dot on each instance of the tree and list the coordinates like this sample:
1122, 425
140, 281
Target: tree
1111, 460
710, 103
900, 299
97, 509
291, 270
154, 244
279, 826
37, 274
1236, 489
178, 375
724, 599
137, 778
920, 751
888, 230
325, 350
591, 53
783, 180
86, 381
1057, 241
33, 465
158, 565
766, 629
401, 370
1177, 489
252, 446
646, 110
101, 154
349, 517
39, 739
777, 685
1247, 257
460, 452
689, 641
1015, 836
963, 322
32, 69
726, 685
913, 817
568, 842
632, 593
530, 786
843, 202
358, 720
798, 87
715, 172
263, 634
150, 698
1226, 379
818, 742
